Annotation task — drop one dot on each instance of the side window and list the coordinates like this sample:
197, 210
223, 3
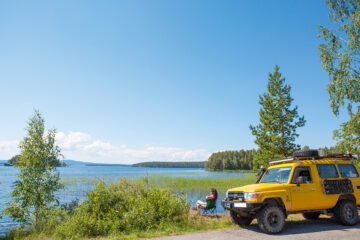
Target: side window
327, 171
302, 172
348, 171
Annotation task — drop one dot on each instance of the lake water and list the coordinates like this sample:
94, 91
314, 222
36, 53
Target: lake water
79, 179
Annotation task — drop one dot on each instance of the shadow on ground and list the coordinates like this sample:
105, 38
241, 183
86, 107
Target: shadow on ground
323, 224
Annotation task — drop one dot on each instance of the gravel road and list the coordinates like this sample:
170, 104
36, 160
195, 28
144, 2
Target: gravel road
322, 229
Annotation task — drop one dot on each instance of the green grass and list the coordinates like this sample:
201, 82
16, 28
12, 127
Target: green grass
181, 184
68, 181
232, 171
195, 223
193, 187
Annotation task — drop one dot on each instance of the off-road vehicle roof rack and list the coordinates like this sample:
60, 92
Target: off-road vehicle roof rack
313, 158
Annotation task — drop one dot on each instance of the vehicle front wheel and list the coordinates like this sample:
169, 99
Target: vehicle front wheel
346, 212
239, 220
311, 215
271, 219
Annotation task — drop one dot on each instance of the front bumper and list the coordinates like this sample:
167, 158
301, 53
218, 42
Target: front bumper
241, 206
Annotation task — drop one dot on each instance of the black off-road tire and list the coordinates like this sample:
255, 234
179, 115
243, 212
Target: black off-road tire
346, 213
271, 219
241, 221
311, 215
306, 153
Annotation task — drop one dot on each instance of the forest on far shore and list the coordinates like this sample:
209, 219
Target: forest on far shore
231, 160
171, 164
243, 159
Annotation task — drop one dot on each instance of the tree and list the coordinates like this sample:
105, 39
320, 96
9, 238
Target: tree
34, 191
276, 132
231, 160
331, 150
340, 55
306, 147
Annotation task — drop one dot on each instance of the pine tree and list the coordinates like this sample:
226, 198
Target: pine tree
228, 165
276, 132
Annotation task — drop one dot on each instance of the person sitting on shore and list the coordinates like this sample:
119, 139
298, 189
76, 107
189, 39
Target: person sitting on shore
212, 196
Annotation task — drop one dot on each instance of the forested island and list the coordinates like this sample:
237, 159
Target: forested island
171, 164
12, 161
226, 160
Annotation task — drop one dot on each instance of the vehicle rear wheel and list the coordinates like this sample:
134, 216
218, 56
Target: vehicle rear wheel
271, 219
311, 215
239, 220
346, 212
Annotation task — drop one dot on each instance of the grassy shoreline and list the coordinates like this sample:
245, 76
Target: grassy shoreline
180, 185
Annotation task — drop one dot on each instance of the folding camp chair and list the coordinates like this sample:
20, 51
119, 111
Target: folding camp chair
210, 207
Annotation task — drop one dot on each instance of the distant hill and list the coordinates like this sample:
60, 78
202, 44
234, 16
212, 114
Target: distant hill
107, 164
73, 162
79, 163
171, 164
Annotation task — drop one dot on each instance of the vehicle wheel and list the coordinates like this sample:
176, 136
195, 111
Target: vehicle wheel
241, 221
311, 215
271, 219
306, 153
346, 212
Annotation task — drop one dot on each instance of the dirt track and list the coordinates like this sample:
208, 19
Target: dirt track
322, 229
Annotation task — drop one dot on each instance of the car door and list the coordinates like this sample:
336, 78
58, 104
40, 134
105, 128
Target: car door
304, 196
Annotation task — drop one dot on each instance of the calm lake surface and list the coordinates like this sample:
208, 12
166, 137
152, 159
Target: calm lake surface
79, 179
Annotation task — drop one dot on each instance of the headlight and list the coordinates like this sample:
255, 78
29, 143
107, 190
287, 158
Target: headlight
251, 195
227, 194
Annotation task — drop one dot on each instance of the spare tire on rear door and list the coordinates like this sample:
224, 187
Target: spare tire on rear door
306, 153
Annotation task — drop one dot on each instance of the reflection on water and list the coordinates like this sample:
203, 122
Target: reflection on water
79, 179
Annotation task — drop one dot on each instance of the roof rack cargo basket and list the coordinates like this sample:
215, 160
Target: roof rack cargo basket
298, 159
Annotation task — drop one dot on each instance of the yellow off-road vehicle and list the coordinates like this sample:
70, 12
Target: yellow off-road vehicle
304, 183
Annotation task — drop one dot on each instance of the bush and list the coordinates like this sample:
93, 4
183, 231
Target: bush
123, 207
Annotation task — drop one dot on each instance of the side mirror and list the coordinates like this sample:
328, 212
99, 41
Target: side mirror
299, 180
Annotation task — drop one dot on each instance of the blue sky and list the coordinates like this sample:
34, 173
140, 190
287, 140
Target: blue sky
130, 81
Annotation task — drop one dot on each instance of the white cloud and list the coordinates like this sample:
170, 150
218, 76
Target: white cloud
8, 149
168, 154
81, 147
73, 140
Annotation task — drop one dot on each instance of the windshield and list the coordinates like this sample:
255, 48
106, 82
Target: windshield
277, 175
